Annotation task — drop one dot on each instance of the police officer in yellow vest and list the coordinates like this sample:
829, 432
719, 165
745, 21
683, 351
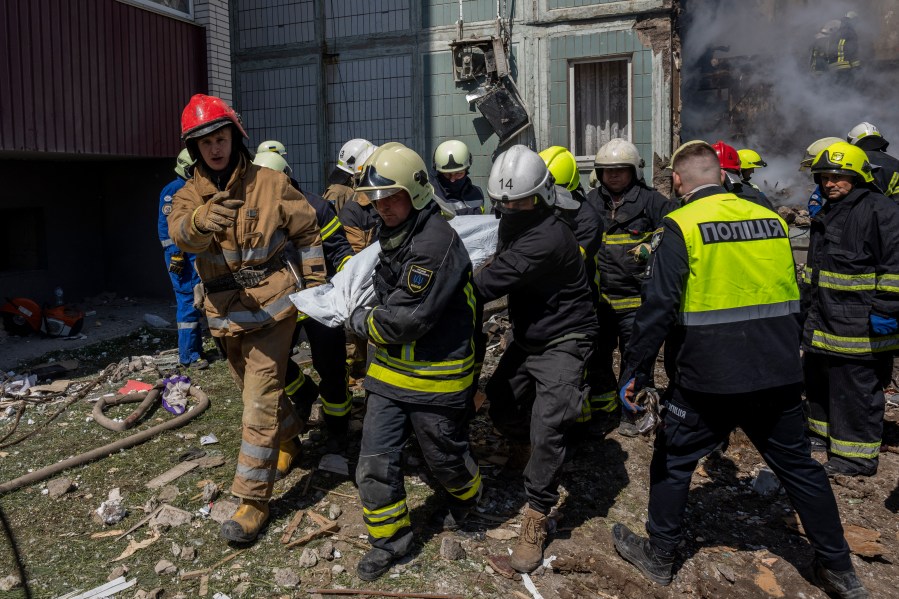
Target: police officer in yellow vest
723, 283
850, 292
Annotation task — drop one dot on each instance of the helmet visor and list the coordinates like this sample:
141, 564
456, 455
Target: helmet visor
376, 186
207, 129
565, 200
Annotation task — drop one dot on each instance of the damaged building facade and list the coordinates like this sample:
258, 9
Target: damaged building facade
91, 93
576, 73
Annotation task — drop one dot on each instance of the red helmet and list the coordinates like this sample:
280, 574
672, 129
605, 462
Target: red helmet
204, 114
728, 157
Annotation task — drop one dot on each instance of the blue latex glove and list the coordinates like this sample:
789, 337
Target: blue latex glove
883, 325
627, 395
815, 202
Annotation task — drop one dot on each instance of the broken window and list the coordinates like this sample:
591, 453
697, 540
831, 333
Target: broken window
600, 93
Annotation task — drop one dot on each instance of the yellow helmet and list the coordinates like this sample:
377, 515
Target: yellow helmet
563, 166
843, 158
393, 168
750, 159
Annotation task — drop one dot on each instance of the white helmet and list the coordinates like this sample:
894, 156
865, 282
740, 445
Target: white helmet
353, 155
863, 129
272, 146
519, 173
272, 160
815, 148
619, 153
394, 168
451, 157
830, 27
184, 164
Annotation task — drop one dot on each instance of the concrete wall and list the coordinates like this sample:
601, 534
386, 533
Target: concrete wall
382, 70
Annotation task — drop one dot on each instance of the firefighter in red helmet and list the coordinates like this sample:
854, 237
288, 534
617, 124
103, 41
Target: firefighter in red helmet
257, 241
729, 159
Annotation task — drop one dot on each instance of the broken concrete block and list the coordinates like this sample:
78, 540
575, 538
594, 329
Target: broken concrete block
117, 572
326, 550
308, 559
59, 487
223, 510
10, 582
337, 570
167, 494
240, 590
286, 578
451, 549
112, 510
766, 482
164, 566
334, 511
169, 516
188, 553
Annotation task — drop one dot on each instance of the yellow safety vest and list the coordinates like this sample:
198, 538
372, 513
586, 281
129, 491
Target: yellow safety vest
741, 264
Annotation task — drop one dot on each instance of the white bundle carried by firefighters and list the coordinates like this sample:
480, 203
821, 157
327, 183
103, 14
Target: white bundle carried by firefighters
332, 303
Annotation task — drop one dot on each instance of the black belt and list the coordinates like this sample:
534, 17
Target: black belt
246, 277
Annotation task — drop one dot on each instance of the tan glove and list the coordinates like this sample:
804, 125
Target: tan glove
217, 214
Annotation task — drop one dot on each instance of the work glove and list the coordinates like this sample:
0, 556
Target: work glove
217, 214
640, 252
627, 394
357, 321
883, 325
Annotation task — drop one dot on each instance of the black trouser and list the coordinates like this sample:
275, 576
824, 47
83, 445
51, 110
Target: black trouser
846, 404
614, 333
773, 419
544, 392
442, 434
328, 347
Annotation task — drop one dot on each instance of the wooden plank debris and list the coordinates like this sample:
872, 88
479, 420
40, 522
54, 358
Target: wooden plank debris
172, 474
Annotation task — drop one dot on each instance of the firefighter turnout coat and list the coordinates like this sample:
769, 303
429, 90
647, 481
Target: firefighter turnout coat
624, 227
852, 273
274, 217
424, 315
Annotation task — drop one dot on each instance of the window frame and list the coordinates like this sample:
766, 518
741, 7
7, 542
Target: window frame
572, 105
162, 9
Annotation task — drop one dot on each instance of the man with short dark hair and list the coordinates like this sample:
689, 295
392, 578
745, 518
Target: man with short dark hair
723, 284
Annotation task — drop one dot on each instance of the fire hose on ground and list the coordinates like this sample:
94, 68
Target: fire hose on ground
147, 399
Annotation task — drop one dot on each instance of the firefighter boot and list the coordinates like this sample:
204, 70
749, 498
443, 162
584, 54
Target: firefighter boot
247, 521
338, 434
528, 552
287, 453
639, 552
843, 584
374, 564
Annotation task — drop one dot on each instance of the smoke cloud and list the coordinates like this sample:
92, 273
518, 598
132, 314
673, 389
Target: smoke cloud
747, 81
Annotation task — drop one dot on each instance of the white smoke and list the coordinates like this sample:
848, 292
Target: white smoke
765, 46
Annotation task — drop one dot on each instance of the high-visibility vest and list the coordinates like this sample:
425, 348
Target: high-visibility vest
741, 263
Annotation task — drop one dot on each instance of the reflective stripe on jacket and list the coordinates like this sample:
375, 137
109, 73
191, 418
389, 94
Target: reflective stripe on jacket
852, 273
632, 222
273, 215
424, 317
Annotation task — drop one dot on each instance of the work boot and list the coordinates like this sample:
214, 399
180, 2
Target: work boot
287, 452
338, 434
640, 552
837, 465
818, 445
843, 584
247, 521
449, 519
528, 552
628, 425
374, 564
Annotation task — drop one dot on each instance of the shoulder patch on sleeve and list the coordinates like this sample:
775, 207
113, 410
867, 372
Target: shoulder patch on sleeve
656, 239
167, 199
167, 209
418, 278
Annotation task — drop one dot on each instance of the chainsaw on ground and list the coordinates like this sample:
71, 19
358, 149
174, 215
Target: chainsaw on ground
23, 316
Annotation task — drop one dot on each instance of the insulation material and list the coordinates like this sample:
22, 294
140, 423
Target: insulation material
332, 303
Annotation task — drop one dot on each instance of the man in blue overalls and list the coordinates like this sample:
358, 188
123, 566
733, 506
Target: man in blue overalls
181, 270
